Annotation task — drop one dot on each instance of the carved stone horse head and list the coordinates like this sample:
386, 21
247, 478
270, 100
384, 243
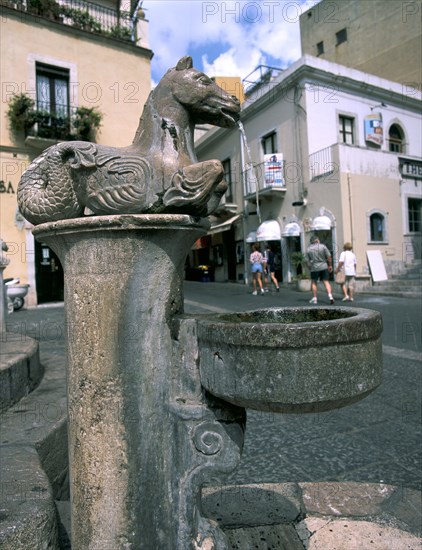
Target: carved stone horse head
208, 103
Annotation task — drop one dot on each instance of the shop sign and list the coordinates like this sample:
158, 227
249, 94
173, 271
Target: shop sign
373, 128
411, 168
273, 170
6, 188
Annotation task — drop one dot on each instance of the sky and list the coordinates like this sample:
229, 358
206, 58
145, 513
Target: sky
225, 38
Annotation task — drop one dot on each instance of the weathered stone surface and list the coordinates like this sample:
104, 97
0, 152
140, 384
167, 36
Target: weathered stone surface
27, 511
345, 499
275, 537
405, 505
348, 534
252, 505
315, 358
20, 368
142, 436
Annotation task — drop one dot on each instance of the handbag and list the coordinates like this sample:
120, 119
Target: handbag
340, 278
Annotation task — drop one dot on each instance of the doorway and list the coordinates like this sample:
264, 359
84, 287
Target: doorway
49, 278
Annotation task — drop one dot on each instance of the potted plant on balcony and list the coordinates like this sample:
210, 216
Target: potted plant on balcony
24, 118
86, 122
21, 114
49, 9
303, 279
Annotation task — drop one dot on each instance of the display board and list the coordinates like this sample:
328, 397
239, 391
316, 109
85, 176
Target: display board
376, 265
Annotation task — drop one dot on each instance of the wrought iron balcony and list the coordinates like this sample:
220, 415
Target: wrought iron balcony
78, 14
62, 123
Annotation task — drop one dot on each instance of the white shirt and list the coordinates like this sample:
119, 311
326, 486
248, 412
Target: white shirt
349, 262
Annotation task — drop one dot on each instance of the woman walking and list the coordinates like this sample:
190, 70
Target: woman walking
256, 260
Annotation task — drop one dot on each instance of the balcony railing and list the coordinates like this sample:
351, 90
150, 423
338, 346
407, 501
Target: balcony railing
82, 15
51, 125
327, 164
63, 123
321, 163
263, 178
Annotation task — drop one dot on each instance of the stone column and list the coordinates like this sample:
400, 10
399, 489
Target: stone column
123, 287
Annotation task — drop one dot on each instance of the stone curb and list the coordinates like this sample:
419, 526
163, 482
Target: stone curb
33, 452
28, 517
20, 371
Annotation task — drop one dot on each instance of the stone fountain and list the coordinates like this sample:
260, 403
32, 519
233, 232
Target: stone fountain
156, 399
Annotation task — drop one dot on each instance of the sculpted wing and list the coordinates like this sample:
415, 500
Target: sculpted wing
118, 185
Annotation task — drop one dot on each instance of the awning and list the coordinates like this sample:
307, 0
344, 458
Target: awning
291, 229
202, 242
321, 223
268, 231
225, 226
251, 238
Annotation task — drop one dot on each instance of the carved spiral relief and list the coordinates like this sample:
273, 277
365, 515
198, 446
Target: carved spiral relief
208, 438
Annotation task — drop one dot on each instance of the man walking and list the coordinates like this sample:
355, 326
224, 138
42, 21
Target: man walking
320, 265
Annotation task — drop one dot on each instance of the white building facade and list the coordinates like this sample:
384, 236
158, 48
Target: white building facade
330, 151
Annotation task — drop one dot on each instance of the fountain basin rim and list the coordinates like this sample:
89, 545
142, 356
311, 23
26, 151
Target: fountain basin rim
134, 222
357, 324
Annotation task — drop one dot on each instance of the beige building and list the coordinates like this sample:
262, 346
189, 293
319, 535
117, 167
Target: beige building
64, 56
380, 37
330, 151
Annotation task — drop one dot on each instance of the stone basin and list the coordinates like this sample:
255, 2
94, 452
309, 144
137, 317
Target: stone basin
291, 359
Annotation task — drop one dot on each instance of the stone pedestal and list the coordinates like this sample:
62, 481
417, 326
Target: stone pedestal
141, 432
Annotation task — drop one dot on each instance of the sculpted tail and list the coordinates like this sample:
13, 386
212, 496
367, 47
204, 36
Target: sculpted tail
45, 191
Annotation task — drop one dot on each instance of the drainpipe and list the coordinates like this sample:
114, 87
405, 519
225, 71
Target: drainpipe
245, 259
350, 207
134, 19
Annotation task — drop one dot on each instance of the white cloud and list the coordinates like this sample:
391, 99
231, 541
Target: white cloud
229, 63
227, 37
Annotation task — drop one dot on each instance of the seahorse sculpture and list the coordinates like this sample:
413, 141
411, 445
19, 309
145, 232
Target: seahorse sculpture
158, 173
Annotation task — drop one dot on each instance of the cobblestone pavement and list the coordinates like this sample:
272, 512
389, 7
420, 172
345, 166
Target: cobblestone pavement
377, 439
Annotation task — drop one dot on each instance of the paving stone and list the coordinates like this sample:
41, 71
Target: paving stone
251, 505
345, 499
276, 537
346, 534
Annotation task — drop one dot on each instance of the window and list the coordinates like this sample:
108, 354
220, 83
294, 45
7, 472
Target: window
52, 84
227, 167
414, 208
341, 36
346, 130
396, 139
52, 89
320, 48
377, 230
269, 144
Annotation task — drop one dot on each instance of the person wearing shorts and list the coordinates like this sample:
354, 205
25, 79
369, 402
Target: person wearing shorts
320, 265
270, 257
347, 261
256, 259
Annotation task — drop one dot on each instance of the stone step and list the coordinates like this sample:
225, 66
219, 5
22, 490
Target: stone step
386, 292
399, 287
406, 277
